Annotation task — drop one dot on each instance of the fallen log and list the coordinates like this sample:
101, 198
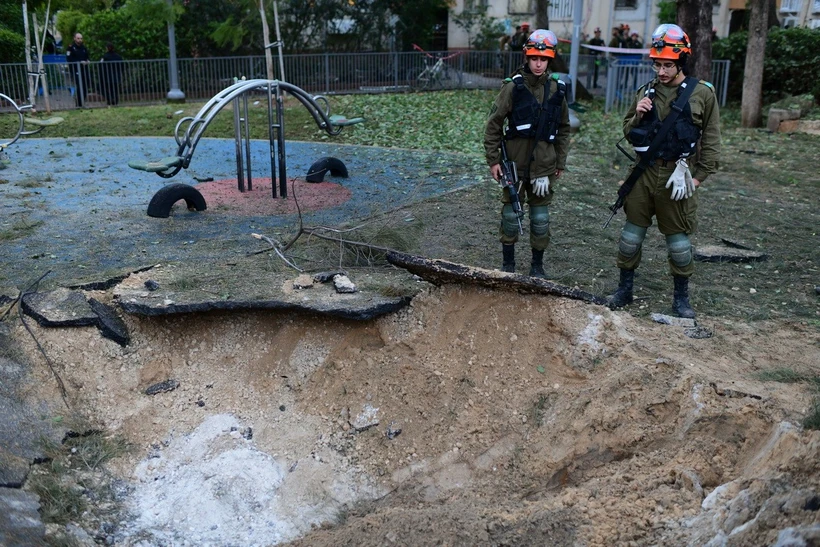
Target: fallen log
440, 272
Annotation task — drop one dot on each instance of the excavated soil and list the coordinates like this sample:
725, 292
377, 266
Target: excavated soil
471, 417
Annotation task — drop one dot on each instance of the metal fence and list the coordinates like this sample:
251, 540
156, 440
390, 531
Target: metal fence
148, 82
624, 77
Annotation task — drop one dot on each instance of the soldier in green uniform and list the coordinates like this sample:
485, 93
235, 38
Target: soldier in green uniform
667, 189
532, 107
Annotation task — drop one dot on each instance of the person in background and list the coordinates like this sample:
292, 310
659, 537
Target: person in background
77, 58
111, 74
596, 41
530, 113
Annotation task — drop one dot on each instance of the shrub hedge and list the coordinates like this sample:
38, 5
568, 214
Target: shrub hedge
790, 66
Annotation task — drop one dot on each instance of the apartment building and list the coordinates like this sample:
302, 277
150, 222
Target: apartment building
640, 15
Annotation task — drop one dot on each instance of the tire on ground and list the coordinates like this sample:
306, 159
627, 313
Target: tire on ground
162, 202
317, 171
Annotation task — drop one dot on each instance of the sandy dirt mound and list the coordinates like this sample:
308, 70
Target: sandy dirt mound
471, 417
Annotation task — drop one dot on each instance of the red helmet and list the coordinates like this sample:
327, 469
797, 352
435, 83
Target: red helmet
541, 43
670, 42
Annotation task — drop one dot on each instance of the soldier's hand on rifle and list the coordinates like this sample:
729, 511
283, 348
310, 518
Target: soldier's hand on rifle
541, 186
495, 170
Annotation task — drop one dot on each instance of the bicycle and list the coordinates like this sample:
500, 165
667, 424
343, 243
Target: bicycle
434, 75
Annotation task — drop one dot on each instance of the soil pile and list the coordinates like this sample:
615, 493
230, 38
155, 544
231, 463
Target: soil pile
471, 417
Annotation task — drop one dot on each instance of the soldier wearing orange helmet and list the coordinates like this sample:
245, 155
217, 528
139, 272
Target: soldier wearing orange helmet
666, 189
531, 115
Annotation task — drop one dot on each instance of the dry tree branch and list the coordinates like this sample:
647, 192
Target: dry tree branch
49, 362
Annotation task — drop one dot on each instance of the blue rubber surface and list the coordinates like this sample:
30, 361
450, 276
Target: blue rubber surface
74, 206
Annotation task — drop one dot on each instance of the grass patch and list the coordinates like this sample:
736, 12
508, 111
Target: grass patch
18, 229
73, 473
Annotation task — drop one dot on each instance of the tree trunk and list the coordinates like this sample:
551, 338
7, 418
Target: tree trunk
751, 103
695, 18
542, 18
772, 21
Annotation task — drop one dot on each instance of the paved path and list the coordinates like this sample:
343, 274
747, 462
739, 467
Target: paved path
74, 206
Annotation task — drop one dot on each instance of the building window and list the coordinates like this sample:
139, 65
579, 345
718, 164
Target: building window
626, 4
560, 9
791, 6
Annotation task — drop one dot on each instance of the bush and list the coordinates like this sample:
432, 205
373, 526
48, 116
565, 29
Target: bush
791, 54
133, 37
12, 47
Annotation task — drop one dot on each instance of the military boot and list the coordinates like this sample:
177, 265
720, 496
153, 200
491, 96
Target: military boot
537, 265
623, 294
509, 258
681, 302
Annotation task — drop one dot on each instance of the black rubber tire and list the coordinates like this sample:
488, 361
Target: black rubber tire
317, 171
162, 202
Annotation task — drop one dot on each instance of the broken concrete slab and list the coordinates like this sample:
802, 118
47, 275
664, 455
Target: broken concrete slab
718, 253
441, 272
275, 291
61, 307
110, 324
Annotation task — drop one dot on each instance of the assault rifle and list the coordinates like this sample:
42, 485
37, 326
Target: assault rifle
509, 180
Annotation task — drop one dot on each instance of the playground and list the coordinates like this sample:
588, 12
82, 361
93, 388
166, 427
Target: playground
471, 415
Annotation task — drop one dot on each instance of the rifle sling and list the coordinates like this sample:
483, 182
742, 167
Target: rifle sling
647, 158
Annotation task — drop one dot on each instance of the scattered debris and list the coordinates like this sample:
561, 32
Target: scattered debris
368, 418
718, 253
344, 285
304, 281
674, 321
698, 332
161, 387
324, 277
392, 431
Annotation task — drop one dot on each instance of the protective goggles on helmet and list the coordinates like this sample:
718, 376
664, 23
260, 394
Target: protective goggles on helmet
669, 42
541, 43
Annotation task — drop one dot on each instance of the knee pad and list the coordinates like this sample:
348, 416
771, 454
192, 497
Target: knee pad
631, 239
509, 221
680, 249
539, 220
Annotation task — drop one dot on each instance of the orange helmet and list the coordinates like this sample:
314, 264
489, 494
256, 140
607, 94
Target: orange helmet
541, 43
670, 42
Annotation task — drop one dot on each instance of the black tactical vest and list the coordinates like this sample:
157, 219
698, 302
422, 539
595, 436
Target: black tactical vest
532, 120
679, 142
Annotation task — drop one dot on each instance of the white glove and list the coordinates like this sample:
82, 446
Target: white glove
541, 186
678, 180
